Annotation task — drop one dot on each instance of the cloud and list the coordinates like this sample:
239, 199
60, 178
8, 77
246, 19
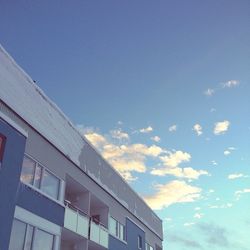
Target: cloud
119, 134
209, 92
125, 158
216, 235
173, 192
172, 128
198, 215
221, 127
146, 130
227, 205
188, 224
231, 83
214, 163
171, 163
176, 158
198, 129
187, 243
244, 191
227, 152
237, 176
155, 138
188, 172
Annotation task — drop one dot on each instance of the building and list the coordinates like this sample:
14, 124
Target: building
56, 190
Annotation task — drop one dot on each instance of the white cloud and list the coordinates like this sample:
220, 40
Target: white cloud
227, 152
244, 191
188, 172
214, 163
209, 92
198, 129
125, 158
176, 158
197, 209
171, 193
231, 83
171, 163
155, 138
198, 215
119, 134
221, 127
172, 128
188, 224
146, 130
227, 205
237, 176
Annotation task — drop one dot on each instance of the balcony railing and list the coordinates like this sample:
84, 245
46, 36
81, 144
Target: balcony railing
80, 223
99, 234
76, 220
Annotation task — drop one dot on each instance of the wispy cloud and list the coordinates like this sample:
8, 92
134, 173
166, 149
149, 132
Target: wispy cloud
119, 134
216, 236
209, 92
172, 128
187, 243
171, 193
155, 138
188, 224
221, 127
227, 152
230, 83
221, 86
237, 176
198, 129
198, 215
146, 130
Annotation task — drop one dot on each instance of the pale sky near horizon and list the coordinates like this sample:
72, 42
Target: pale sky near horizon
162, 89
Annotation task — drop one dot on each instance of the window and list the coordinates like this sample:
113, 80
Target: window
27, 237
2, 145
38, 176
139, 242
50, 184
117, 229
17, 235
148, 247
43, 240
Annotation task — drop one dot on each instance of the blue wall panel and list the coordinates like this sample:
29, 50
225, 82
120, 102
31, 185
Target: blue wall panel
40, 205
132, 231
9, 179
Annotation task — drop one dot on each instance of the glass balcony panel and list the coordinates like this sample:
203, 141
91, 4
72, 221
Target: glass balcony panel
70, 219
104, 237
95, 232
83, 226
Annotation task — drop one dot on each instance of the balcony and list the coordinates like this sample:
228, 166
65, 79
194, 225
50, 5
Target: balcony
75, 220
99, 234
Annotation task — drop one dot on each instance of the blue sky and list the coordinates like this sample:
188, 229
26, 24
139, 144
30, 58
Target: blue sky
161, 88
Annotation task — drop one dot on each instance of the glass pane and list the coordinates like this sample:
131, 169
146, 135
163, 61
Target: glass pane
112, 226
43, 240
29, 235
38, 174
28, 170
50, 184
121, 232
17, 235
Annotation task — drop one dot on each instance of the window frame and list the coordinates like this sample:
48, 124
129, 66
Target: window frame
43, 169
33, 236
118, 235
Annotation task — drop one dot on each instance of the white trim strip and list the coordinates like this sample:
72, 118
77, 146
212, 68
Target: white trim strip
37, 221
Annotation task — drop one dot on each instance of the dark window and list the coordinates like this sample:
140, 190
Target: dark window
2, 144
139, 242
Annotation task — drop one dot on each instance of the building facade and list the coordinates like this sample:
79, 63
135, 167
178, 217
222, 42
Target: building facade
56, 190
